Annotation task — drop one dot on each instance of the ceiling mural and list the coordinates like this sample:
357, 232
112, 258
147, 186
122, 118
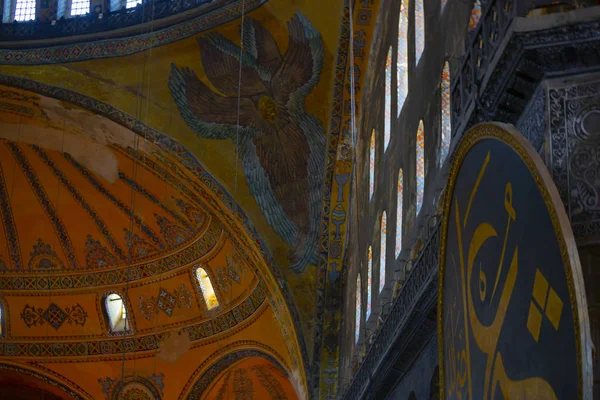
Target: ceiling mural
88, 208
258, 110
281, 146
284, 98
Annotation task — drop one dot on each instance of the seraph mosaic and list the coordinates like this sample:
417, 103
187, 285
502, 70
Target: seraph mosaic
281, 145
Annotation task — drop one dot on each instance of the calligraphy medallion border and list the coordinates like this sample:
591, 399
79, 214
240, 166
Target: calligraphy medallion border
562, 228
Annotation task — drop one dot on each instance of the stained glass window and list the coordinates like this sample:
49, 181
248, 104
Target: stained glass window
132, 3
208, 292
419, 30
402, 60
446, 121
382, 251
369, 280
388, 100
25, 10
80, 7
357, 325
399, 214
372, 165
420, 161
443, 4
475, 15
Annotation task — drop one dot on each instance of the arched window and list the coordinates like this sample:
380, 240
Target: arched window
475, 15
206, 287
382, 251
24, 10
399, 213
387, 130
402, 60
116, 312
372, 165
79, 7
420, 161
358, 310
419, 30
446, 130
2, 321
369, 280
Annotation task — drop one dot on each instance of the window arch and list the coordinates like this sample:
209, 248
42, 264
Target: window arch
475, 15
382, 251
24, 10
207, 289
369, 281
358, 311
446, 130
115, 309
372, 165
419, 30
420, 165
399, 213
402, 56
388, 100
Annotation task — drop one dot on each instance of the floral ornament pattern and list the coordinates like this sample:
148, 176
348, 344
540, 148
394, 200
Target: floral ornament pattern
54, 315
282, 147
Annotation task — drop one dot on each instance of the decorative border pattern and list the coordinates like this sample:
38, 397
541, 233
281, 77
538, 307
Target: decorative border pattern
45, 378
10, 230
117, 345
129, 45
561, 226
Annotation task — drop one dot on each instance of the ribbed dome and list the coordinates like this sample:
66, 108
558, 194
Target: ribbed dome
60, 215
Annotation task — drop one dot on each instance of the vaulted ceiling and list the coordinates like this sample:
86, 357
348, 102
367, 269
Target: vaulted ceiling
139, 157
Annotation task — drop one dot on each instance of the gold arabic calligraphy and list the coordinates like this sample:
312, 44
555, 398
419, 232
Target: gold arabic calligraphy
459, 382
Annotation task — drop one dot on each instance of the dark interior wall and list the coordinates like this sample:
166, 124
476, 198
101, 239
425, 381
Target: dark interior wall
590, 266
445, 34
418, 379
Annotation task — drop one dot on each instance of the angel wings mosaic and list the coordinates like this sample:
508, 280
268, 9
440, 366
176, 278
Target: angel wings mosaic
281, 146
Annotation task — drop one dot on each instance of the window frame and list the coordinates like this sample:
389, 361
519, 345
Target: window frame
13, 13
127, 325
213, 281
70, 9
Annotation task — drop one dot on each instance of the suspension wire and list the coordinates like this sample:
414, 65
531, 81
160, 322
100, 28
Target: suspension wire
136, 144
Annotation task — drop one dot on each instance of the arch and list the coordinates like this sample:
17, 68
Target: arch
446, 129
402, 56
419, 30
214, 370
387, 125
382, 251
369, 282
51, 384
117, 317
206, 288
420, 166
358, 310
372, 165
399, 213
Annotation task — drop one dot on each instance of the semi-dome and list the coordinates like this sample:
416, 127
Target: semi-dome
113, 247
